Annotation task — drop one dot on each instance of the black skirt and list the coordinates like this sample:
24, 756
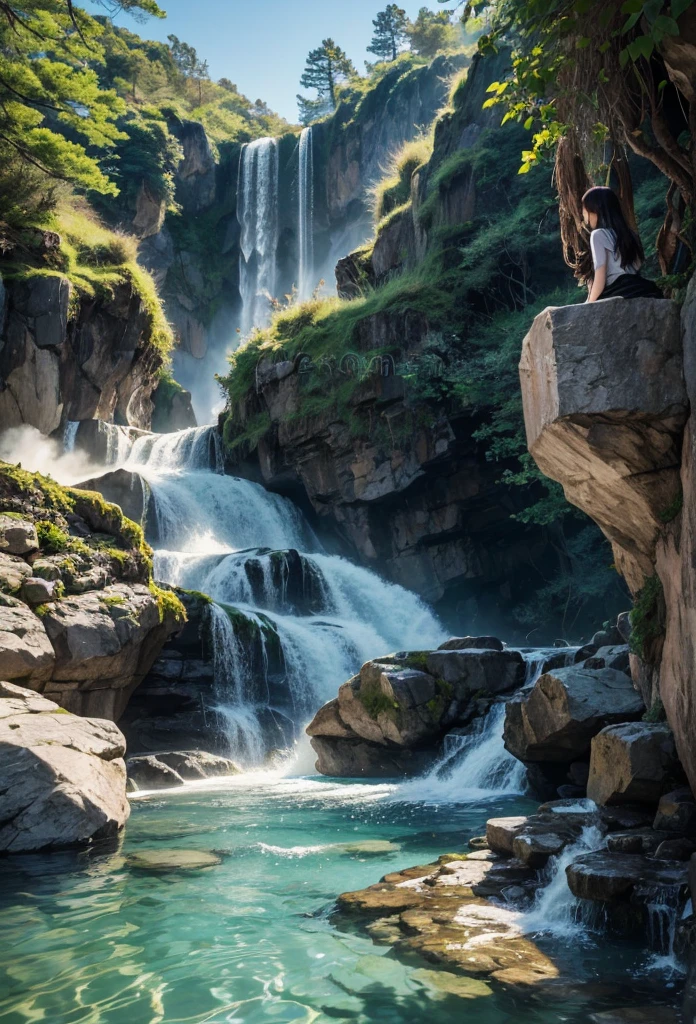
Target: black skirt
631, 286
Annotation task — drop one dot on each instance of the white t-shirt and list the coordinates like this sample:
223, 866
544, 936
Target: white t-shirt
603, 244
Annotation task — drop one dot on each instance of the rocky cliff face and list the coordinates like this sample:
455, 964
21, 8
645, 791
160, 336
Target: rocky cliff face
65, 358
608, 393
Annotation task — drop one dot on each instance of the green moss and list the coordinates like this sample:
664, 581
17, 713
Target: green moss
647, 618
41, 610
168, 604
656, 713
198, 595
417, 660
52, 539
376, 702
254, 429
112, 599
674, 508
14, 515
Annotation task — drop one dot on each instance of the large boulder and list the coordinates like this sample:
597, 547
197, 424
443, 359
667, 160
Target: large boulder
630, 763
605, 405
17, 536
389, 719
556, 719
148, 772
63, 777
26, 653
104, 643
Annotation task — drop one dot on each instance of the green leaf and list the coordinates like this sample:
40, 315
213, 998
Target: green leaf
528, 123
624, 57
632, 7
604, 47
582, 43
629, 24
678, 7
667, 26
643, 46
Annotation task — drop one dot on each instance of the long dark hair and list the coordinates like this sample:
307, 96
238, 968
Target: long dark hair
605, 203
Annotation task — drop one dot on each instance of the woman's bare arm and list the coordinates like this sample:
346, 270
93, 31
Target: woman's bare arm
598, 284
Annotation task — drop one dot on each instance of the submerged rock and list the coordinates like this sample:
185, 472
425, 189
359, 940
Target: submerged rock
164, 861
63, 777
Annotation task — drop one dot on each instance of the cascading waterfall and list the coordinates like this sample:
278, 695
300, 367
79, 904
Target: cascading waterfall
312, 618
70, 435
257, 212
475, 765
305, 284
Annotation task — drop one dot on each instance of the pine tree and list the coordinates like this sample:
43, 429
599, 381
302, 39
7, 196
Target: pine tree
47, 52
390, 31
431, 32
325, 68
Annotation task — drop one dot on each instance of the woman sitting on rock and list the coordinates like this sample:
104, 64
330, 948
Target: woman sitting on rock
617, 253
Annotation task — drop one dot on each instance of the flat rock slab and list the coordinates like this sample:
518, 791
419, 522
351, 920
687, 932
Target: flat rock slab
608, 876
443, 918
163, 861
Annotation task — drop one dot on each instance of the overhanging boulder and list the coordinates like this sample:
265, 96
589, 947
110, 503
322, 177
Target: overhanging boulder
605, 405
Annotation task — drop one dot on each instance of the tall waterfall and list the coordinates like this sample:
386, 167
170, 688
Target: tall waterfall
257, 212
290, 623
305, 234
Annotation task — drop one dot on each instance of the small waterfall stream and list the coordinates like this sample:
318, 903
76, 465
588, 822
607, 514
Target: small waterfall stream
305, 284
290, 623
257, 212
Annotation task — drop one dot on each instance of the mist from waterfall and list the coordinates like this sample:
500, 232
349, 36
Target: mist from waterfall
257, 213
308, 619
305, 234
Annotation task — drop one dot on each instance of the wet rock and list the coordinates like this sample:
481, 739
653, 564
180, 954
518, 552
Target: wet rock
166, 861
63, 777
678, 848
473, 671
481, 643
13, 572
631, 763
17, 536
454, 915
556, 719
26, 653
641, 840
676, 812
148, 772
610, 657
197, 764
611, 876
355, 758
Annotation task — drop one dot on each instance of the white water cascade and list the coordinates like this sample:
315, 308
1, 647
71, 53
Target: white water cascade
475, 765
291, 623
257, 213
305, 234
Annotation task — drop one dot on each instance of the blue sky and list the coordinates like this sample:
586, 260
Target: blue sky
261, 45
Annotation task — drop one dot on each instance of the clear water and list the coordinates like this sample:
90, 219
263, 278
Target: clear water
88, 940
